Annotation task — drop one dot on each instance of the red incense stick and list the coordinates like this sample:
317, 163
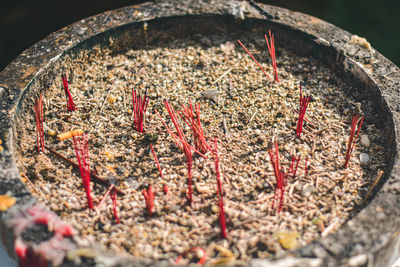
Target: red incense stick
187, 114
139, 109
302, 111
113, 196
355, 124
39, 123
81, 145
70, 102
271, 49
279, 176
258, 64
222, 221
149, 199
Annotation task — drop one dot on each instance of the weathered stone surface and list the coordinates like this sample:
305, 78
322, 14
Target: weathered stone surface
371, 237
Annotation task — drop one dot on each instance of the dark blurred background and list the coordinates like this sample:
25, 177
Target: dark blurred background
24, 22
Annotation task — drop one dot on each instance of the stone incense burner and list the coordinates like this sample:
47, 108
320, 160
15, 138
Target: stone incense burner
370, 238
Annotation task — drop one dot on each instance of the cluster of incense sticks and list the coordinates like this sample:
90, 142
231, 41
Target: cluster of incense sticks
140, 104
93, 176
279, 176
185, 147
302, 111
355, 126
271, 50
272, 54
68, 96
187, 114
139, 109
81, 145
39, 123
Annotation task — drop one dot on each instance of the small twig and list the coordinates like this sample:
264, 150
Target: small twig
104, 197
320, 131
305, 167
226, 72
104, 102
124, 99
371, 188
30, 182
335, 222
156, 159
226, 131
253, 116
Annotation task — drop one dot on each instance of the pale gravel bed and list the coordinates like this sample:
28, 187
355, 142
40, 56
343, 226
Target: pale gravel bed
244, 109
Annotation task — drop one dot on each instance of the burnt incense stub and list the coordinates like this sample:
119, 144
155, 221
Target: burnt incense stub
200, 132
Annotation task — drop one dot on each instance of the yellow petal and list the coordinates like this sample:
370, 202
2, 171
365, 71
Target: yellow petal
109, 155
6, 202
111, 169
111, 99
51, 132
288, 240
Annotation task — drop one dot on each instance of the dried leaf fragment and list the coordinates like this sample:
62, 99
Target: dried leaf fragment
225, 255
83, 252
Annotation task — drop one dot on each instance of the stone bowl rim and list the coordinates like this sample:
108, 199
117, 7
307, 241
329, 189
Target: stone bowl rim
16, 78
